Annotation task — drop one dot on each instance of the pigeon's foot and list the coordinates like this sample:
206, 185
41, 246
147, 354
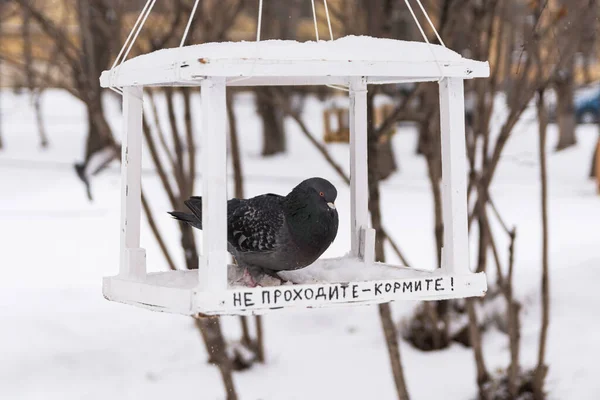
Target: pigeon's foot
268, 280
247, 279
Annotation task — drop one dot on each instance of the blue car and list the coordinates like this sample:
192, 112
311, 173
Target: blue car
587, 105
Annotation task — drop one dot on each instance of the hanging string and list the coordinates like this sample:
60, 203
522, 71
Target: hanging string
416, 21
338, 87
328, 20
131, 33
189, 23
116, 90
315, 19
442, 75
138, 30
430, 23
259, 24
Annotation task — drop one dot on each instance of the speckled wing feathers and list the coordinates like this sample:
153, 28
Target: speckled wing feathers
255, 223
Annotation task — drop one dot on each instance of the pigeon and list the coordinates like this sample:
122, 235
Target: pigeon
271, 233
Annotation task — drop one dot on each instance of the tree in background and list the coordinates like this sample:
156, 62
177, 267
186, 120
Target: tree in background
531, 46
83, 38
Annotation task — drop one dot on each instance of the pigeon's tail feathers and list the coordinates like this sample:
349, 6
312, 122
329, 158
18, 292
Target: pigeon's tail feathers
194, 203
188, 218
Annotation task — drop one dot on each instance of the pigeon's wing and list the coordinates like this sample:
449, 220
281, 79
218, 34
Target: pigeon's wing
254, 223
194, 203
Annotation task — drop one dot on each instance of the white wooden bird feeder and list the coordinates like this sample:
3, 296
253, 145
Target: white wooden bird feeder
351, 62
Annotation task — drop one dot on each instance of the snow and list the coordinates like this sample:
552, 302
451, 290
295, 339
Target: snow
295, 63
348, 49
62, 340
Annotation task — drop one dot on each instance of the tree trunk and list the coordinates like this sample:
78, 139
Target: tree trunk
475, 338
272, 123
212, 334
32, 86
37, 106
474, 333
594, 164
514, 327
565, 107
386, 161
389, 329
542, 368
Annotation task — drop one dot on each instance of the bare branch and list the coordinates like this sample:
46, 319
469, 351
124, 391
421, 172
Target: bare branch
156, 233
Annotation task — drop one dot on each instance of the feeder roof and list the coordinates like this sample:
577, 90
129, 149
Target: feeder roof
288, 62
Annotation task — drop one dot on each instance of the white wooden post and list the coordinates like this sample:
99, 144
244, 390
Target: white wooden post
359, 191
212, 272
455, 255
133, 258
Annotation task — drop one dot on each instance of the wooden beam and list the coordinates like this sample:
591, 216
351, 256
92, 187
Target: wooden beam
212, 271
455, 256
359, 190
132, 260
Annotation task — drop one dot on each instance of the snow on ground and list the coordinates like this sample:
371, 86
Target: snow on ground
62, 340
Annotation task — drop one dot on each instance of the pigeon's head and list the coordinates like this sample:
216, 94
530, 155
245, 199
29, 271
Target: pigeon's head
321, 190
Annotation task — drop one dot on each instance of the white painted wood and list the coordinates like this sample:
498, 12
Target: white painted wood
176, 292
136, 263
265, 299
304, 72
454, 177
286, 80
171, 299
368, 236
361, 279
359, 191
213, 264
132, 261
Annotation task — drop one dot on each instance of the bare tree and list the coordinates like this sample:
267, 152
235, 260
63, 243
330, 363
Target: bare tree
565, 105
83, 56
35, 88
541, 368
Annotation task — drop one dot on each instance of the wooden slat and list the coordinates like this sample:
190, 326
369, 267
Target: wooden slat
454, 176
212, 272
132, 260
359, 190
175, 292
297, 72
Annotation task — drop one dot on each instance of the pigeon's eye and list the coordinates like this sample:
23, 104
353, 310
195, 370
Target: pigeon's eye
321, 194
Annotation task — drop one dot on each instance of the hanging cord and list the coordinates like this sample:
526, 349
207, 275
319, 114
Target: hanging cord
430, 23
259, 23
315, 19
189, 23
131, 38
142, 13
337, 87
328, 20
429, 45
416, 21
139, 30
258, 29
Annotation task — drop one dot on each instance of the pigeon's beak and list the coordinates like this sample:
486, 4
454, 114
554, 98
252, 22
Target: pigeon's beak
331, 205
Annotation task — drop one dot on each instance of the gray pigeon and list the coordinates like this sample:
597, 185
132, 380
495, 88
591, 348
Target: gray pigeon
271, 233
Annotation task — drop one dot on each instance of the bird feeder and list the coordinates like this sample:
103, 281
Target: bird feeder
336, 122
351, 62
336, 127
